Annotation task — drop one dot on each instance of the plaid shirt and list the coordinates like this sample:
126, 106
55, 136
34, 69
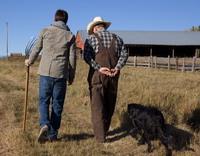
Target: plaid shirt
91, 48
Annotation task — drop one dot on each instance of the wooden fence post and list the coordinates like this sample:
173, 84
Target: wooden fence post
176, 63
183, 67
135, 61
149, 64
168, 62
155, 61
151, 51
193, 63
173, 53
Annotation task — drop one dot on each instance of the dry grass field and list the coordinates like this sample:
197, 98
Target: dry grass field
176, 94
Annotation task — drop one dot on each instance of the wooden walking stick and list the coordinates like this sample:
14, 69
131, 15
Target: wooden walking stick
27, 53
26, 97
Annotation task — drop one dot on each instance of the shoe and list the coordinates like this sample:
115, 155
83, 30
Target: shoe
42, 137
53, 139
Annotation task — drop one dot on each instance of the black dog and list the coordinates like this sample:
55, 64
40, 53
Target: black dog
149, 123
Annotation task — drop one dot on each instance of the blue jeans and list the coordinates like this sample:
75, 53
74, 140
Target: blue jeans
51, 90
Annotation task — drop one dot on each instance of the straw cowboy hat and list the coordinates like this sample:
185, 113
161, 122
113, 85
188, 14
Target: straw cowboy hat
96, 21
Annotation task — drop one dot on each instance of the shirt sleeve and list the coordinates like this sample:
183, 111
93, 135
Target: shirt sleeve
72, 59
36, 48
123, 54
89, 55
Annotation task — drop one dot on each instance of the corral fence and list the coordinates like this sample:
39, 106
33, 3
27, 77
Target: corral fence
170, 63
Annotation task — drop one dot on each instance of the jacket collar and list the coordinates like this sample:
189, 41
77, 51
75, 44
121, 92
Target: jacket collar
61, 25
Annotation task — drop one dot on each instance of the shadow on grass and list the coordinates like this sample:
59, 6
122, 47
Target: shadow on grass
121, 131
181, 138
194, 120
76, 137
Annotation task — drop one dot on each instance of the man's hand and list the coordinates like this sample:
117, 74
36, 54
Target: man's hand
114, 72
27, 62
106, 71
70, 82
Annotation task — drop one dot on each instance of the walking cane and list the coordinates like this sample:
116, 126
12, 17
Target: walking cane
28, 48
26, 97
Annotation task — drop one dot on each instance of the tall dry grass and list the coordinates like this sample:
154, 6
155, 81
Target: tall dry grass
176, 94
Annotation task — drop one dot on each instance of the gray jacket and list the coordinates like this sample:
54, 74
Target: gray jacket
57, 46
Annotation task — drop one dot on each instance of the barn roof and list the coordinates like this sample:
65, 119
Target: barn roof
169, 38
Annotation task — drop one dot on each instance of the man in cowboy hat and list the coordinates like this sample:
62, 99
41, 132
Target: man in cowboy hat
106, 54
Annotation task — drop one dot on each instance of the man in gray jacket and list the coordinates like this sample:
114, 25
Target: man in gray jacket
56, 44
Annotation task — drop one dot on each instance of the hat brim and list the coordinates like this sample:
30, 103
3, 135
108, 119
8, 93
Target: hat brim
93, 24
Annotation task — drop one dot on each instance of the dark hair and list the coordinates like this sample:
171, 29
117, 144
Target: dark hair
61, 15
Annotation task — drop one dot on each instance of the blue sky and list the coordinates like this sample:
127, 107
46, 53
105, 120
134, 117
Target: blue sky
26, 18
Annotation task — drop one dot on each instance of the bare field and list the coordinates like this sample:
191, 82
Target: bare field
176, 94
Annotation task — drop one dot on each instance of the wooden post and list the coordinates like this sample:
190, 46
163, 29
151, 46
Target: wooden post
135, 61
149, 65
155, 62
196, 54
26, 98
151, 61
183, 67
151, 51
173, 55
7, 39
168, 62
193, 64
150, 58
176, 63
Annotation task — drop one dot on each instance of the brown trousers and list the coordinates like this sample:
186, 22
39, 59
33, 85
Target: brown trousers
103, 94
103, 91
